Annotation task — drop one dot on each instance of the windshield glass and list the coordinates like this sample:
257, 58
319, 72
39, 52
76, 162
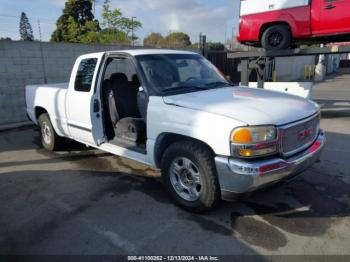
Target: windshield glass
168, 73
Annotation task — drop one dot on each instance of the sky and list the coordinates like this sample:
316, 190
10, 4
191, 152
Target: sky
215, 18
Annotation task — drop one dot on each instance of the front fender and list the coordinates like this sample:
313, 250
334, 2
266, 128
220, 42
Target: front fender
211, 129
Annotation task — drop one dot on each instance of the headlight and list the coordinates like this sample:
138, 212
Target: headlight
252, 135
254, 141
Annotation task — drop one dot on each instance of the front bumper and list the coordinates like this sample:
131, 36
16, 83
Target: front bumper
237, 176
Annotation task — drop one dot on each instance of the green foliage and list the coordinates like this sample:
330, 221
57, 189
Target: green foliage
153, 40
111, 36
106, 36
77, 24
76, 21
115, 21
111, 18
172, 40
25, 29
216, 46
129, 25
5, 39
194, 45
176, 40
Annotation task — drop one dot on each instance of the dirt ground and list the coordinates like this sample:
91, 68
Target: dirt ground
81, 201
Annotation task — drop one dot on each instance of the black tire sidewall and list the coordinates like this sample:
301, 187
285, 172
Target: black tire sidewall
207, 175
283, 30
44, 118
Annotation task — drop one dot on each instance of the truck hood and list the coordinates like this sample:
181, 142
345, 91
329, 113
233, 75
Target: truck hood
248, 105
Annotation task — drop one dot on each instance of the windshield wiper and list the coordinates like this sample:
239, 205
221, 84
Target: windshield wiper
218, 84
173, 89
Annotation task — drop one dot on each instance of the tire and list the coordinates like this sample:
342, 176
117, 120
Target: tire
49, 139
276, 37
183, 161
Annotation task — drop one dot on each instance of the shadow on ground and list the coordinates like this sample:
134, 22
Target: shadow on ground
49, 206
306, 206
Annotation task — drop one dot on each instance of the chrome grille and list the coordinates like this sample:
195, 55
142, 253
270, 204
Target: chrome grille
299, 136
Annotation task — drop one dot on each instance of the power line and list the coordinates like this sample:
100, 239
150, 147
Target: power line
6, 31
9, 16
53, 22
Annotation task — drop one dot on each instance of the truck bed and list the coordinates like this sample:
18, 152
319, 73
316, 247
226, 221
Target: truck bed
52, 97
57, 85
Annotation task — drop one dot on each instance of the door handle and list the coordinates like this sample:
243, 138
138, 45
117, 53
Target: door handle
330, 7
96, 106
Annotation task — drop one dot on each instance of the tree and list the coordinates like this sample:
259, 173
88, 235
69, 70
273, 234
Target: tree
106, 36
25, 29
153, 40
114, 21
77, 24
5, 39
130, 25
111, 18
216, 46
176, 40
76, 21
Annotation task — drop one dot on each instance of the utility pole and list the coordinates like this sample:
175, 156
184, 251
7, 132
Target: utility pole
42, 53
132, 31
39, 28
203, 44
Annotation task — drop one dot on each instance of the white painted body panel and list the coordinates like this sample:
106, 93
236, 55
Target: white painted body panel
208, 116
248, 105
249, 7
79, 107
212, 129
120, 151
53, 98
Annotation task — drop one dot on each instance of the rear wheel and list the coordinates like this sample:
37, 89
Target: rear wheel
276, 37
189, 172
49, 139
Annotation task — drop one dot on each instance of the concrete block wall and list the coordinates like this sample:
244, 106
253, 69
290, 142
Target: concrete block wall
24, 63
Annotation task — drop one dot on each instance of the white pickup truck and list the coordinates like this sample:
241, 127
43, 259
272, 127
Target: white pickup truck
174, 110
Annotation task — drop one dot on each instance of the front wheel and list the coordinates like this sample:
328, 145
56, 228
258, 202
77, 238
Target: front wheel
276, 37
49, 138
189, 172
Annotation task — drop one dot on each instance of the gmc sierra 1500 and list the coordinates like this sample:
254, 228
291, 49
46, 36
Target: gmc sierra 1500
173, 110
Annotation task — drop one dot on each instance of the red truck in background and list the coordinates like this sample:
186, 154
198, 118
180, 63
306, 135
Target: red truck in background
280, 24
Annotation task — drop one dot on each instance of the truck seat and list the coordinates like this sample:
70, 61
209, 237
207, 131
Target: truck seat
112, 117
121, 98
125, 96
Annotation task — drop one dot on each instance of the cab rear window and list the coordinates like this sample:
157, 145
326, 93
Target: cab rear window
85, 74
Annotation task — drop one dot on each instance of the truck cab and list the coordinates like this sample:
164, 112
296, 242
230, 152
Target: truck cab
174, 110
279, 24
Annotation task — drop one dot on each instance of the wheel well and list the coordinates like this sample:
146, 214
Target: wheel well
39, 111
267, 25
167, 139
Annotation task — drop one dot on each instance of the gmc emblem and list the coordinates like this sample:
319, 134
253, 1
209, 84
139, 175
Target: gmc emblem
302, 135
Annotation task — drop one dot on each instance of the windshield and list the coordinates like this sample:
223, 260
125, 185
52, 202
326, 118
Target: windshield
169, 73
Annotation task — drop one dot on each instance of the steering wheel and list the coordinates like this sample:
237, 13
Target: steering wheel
191, 78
